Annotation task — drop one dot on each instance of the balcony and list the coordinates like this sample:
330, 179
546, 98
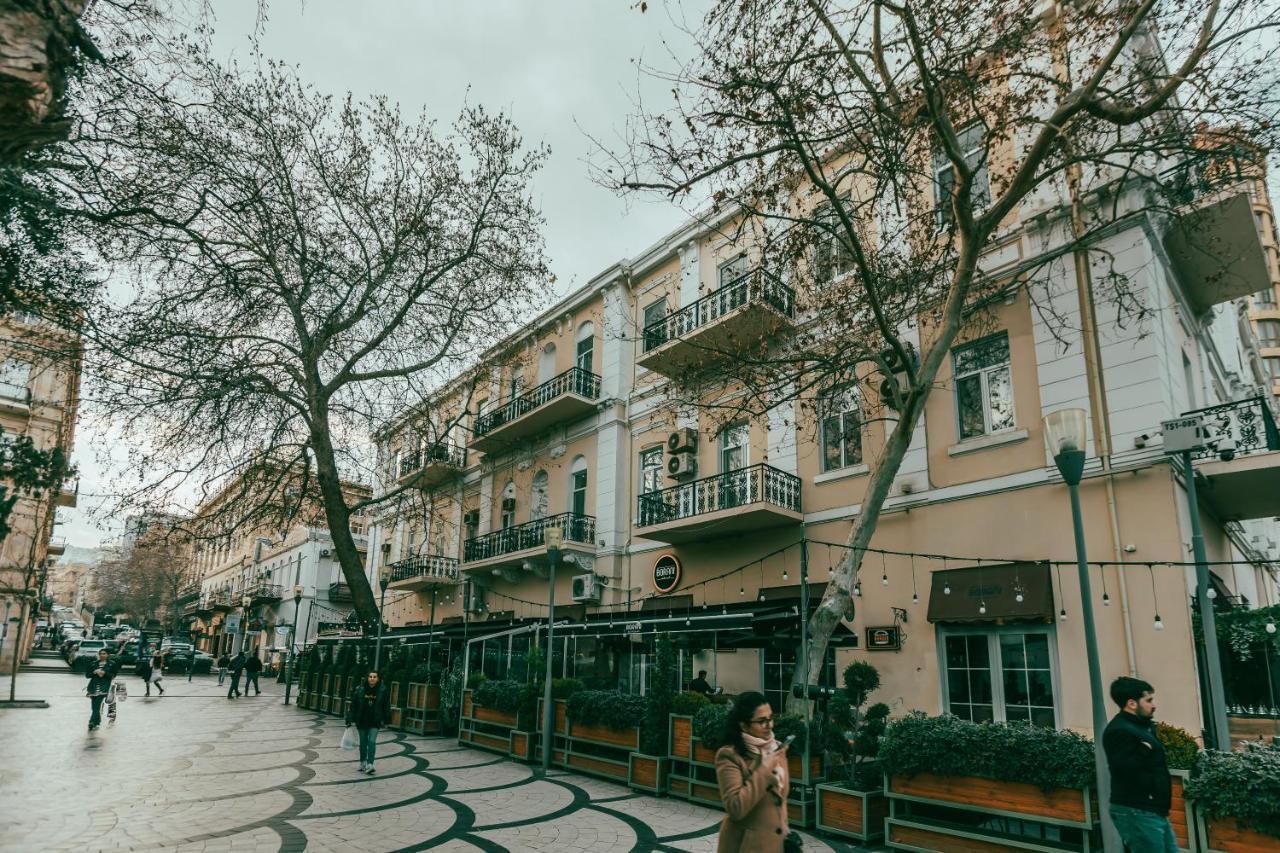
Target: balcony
736, 319
1247, 486
1214, 245
507, 550
265, 593
188, 592
423, 571
340, 593
57, 547
430, 466
220, 600
568, 397
735, 502
69, 493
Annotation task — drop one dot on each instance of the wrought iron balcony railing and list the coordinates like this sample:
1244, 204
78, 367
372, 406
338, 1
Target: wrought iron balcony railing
1248, 422
575, 380
265, 592
741, 487
220, 600
576, 528
442, 452
188, 592
754, 286
428, 566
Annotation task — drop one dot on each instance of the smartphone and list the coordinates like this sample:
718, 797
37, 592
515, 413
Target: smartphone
786, 743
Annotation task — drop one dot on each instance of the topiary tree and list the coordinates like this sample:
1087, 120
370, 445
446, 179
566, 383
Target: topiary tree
451, 696
863, 728
657, 708
1180, 748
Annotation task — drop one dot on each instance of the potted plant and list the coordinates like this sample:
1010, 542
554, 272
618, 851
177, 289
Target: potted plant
1181, 752
981, 774
1237, 794
451, 696
647, 766
853, 803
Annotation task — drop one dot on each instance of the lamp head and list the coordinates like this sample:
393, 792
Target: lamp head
384, 577
246, 601
1065, 434
297, 593
552, 537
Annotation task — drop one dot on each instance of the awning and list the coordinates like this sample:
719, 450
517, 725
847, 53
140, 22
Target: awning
959, 595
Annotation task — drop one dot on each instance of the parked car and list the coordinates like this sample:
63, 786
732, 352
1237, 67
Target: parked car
126, 652
69, 641
85, 654
177, 660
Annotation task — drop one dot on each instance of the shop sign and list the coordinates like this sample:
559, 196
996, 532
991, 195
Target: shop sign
883, 638
666, 574
634, 627
231, 624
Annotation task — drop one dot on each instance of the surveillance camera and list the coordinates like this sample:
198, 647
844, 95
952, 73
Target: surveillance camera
1226, 449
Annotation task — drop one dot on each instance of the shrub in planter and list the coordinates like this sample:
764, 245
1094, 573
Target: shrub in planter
657, 702
563, 688
709, 725
606, 708
475, 680
688, 703
1241, 785
503, 696
1180, 748
451, 696
950, 746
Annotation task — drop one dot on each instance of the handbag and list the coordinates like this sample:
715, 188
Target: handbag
122, 693
792, 843
349, 738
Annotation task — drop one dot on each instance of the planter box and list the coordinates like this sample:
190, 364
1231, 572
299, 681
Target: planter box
465, 712
795, 766
680, 737
489, 715
648, 772
1181, 815
1064, 806
485, 740
628, 739
852, 814
521, 746
1225, 835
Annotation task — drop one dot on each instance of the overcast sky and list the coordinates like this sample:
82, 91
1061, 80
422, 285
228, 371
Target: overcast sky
559, 68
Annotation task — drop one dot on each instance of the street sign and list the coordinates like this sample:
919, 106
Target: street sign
1181, 434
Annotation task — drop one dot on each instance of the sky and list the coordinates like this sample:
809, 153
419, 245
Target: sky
564, 70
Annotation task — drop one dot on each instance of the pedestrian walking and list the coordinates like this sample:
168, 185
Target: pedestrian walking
237, 666
157, 673
252, 667
369, 711
143, 669
1141, 791
752, 774
100, 676
223, 663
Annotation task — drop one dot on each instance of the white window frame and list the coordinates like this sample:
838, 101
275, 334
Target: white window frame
1271, 340
972, 139
724, 447
983, 374
649, 452
731, 270
993, 634
856, 411
15, 379
579, 466
586, 334
839, 263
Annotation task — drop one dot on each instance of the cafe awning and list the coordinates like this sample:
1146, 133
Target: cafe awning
960, 595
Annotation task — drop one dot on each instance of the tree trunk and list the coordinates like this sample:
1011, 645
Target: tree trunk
338, 517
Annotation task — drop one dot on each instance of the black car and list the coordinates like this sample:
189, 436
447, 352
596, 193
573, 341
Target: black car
177, 660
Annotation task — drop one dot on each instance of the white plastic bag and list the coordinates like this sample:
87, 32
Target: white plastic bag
350, 740
122, 692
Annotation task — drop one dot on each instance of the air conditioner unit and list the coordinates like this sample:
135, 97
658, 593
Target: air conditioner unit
508, 504
472, 598
325, 552
681, 466
682, 439
471, 517
586, 588
897, 374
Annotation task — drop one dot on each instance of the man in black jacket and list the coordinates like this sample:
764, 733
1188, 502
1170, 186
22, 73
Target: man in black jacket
369, 712
100, 675
252, 667
237, 666
1140, 788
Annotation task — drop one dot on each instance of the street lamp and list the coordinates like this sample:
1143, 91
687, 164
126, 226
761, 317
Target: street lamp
246, 602
1064, 434
384, 580
293, 638
552, 538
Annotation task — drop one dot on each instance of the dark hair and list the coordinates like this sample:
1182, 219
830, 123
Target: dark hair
743, 710
1125, 688
702, 673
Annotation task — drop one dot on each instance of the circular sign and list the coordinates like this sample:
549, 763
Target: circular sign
666, 573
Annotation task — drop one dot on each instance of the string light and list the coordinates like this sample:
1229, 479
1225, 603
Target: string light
1271, 625
1106, 598
1157, 623
946, 581
982, 607
857, 589
884, 571
915, 595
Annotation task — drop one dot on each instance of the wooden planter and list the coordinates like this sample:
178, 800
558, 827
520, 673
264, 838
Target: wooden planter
853, 814
1225, 835
1181, 815
521, 746
795, 767
482, 727
594, 750
680, 737
648, 772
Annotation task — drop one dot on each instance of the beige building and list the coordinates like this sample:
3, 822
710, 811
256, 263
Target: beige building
690, 520
39, 397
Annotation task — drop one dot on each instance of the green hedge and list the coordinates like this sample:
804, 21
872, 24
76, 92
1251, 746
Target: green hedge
1241, 785
709, 724
1180, 748
688, 703
503, 696
950, 746
606, 708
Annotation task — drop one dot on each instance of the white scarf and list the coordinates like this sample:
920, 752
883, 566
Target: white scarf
757, 746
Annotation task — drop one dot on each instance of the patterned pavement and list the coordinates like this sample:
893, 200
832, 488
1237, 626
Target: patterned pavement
193, 771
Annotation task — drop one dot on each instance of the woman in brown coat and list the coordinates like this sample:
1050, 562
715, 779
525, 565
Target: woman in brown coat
752, 772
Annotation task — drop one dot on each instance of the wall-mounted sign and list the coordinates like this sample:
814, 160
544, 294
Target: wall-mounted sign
666, 573
633, 628
884, 638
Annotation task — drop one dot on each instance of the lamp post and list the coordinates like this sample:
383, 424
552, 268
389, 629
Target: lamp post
246, 602
293, 637
552, 538
1065, 432
384, 580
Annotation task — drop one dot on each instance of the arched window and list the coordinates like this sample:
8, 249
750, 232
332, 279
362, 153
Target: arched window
508, 505
547, 363
578, 486
538, 497
584, 347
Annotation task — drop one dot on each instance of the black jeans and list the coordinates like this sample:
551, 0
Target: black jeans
235, 685
95, 703
251, 678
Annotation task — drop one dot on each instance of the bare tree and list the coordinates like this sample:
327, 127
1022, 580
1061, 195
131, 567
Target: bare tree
876, 151
144, 580
297, 268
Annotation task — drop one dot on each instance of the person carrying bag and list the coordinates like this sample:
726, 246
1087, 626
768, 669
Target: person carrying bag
751, 771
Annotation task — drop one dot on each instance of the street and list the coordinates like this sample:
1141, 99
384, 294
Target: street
193, 771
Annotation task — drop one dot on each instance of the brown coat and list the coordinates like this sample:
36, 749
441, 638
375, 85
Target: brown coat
755, 808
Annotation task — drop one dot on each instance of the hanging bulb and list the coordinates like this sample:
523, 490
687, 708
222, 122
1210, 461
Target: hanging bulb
982, 607
946, 587
1271, 626
687, 621
1213, 593
784, 574
1062, 615
1018, 596
884, 579
857, 589
742, 590
1159, 623
760, 597
915, 598
704, 605
1106, 600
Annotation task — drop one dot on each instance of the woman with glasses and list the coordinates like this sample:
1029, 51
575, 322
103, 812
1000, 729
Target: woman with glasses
752, 771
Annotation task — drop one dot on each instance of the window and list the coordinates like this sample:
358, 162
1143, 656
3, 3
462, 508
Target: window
1265, 298
730, 271
650, 470
517, 384
508, 517
471, 525
578, 487
1005, 676
971, 140
585, 350
984, 386
832, 256
547, 363
779, 668
655, 335
538, 498
841, 429
1272, 365
1269, 333
735, 449
14, 376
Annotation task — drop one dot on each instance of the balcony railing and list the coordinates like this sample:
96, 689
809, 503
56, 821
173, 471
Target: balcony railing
575, 380
440, 453
1248, 422
220, 600
576, 528
188, 592
426, 566
339, 592
754, 286
730, 490
266, 592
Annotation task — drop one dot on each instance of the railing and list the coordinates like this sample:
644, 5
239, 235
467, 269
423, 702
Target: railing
425, 566
445, 452
575, 380
1248, 422
188, 592
755, 484
754, 286
576, 528
219, 599
266, 591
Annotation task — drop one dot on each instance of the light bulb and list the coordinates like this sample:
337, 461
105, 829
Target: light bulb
1062, 614
857, 589
687, 621
946, 587
704, 605
1213, 593
915, 598
982, 607
1271, 626
1106, 600
784, 574
884, 579
760, 597
742, 590
1159, 623
1018, 597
